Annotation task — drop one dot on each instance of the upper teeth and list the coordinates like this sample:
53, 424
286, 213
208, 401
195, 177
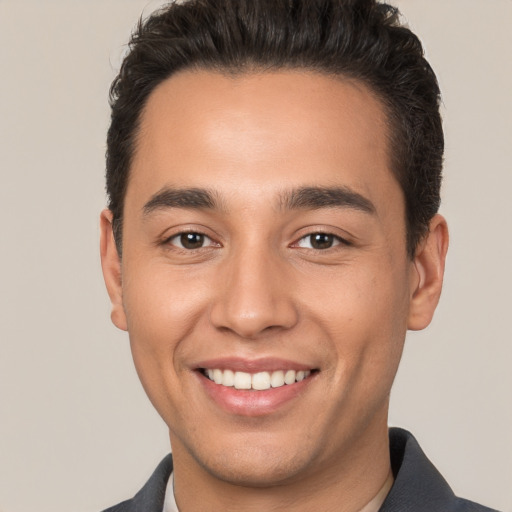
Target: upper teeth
259, 381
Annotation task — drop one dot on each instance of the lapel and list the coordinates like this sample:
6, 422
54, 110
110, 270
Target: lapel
418, 486
151, 497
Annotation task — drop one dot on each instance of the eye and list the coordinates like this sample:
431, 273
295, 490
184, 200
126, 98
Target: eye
190, 240
320, 241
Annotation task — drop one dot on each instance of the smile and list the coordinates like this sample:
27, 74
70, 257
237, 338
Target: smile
260, 381
255, 387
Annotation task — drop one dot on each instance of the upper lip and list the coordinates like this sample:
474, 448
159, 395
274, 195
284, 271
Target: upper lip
265, 364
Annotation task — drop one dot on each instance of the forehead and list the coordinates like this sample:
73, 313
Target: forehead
267, 129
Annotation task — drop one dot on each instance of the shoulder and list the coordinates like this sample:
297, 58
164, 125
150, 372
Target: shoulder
120, 507
151, 497
463, 505
418, 486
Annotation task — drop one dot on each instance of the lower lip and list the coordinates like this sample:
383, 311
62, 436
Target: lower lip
251, 402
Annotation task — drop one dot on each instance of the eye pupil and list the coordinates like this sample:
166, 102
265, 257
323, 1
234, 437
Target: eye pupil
192, 240
321, 241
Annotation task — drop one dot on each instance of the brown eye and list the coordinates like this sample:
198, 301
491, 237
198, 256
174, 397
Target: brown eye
190, 240
320, 241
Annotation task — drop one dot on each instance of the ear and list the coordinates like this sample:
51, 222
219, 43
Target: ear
111, 266
429, 263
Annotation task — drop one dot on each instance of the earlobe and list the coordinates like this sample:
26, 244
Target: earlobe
111, 266
429, 264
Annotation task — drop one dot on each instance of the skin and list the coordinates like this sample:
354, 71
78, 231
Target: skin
258, 288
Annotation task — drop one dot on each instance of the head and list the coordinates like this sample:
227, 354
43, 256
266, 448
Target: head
273, 174
358, 39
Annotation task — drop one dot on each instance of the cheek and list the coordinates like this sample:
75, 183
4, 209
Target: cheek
161, 303
162, 308
364, 311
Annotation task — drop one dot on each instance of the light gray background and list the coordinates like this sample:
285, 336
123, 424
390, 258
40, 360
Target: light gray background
76, 431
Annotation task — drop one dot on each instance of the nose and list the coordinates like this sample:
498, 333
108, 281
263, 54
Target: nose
254, 296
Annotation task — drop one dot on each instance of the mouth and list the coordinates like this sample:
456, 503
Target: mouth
260, 381
257, 387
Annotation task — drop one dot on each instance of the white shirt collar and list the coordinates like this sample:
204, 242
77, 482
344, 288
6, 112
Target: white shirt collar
170, 502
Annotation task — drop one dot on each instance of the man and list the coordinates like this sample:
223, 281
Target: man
273, 173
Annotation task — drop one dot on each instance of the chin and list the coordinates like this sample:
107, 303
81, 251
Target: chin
257, 473
255, 464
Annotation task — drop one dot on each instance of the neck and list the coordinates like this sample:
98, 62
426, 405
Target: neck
375, 504
356, 482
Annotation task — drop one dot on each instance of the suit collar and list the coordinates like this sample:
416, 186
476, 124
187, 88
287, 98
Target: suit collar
418, 485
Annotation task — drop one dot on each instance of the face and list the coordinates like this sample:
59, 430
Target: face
265, 282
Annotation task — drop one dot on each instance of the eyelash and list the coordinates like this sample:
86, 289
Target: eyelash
179, 236
334, 240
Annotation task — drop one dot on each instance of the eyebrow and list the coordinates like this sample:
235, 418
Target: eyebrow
190, 198
304, 198
313, 198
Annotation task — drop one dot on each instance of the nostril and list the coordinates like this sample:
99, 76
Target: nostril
251, 323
